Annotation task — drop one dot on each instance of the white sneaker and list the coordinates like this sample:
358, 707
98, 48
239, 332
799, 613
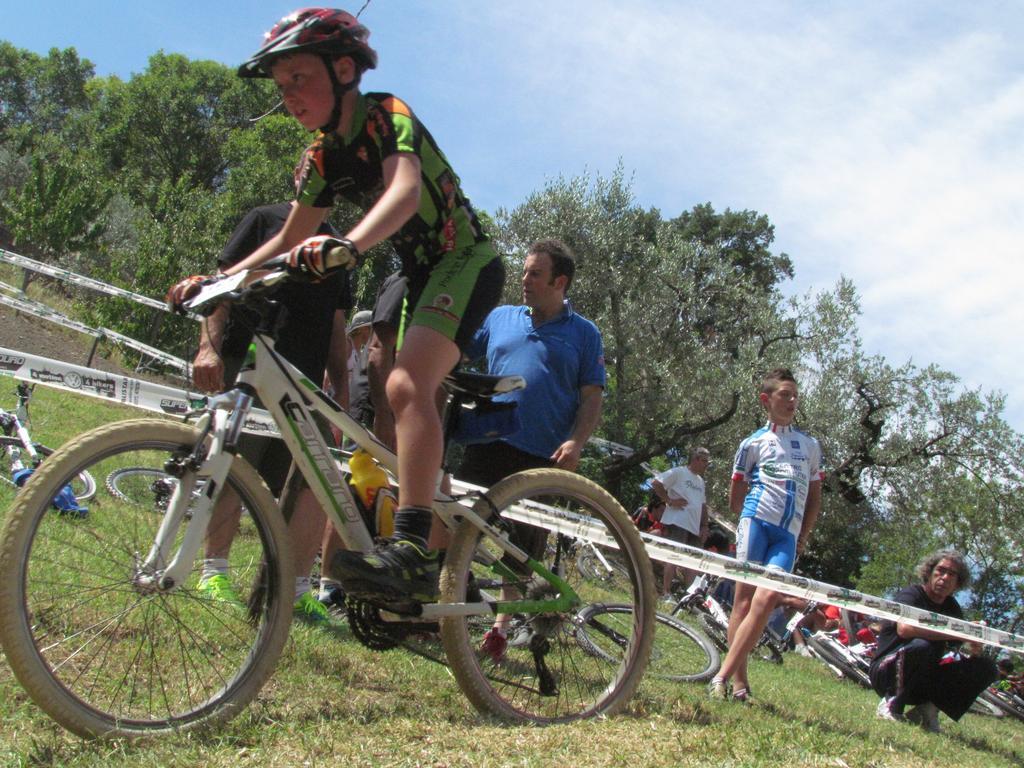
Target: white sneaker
884, 711
804, 651
926, 715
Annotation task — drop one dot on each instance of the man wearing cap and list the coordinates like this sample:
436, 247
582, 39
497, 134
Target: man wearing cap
685, 518
359, 331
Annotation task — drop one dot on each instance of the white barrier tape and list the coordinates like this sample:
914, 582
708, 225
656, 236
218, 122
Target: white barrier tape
668, 551
168, 400
75, 279
810, 589
12, 289
116, 388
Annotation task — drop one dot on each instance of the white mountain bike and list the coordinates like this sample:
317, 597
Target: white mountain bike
102, 622
24, 452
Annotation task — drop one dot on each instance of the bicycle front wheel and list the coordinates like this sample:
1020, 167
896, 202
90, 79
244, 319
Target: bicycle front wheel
1007, 703
767, 649
718, 633
988, 705
544, 675
680, 654
100, 647
834, 657
83, 485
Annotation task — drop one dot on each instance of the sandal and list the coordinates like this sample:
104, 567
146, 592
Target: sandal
744, 695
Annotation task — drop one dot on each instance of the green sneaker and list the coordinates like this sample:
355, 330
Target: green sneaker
218, 587
310, 610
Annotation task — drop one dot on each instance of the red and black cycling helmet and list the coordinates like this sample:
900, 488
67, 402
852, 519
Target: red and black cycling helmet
325, 31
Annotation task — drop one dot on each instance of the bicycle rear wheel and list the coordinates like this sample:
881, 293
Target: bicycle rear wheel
545, 675
83, 484
680, 653
139, 485
987, 704
601, 564
104, 651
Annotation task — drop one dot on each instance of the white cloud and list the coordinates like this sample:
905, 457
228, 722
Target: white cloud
882, 139
886, 149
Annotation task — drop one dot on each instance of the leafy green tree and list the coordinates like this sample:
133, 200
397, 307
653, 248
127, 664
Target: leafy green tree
172, 122
182, 236
743, 239
261, 161
38, 94
914, 460
56, 213
684, 330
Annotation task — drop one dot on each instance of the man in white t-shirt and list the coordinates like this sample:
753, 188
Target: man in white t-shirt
685, 518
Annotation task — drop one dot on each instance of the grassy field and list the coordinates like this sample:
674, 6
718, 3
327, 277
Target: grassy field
335, 703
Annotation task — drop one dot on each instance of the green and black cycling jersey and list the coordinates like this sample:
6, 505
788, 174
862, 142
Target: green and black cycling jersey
350, 167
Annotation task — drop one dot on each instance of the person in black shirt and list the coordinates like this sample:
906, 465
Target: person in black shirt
911, 666
310, 334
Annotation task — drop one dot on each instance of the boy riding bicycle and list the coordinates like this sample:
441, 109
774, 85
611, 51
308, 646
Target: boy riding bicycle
372, 151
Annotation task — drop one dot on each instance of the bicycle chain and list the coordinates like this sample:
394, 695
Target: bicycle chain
375, 633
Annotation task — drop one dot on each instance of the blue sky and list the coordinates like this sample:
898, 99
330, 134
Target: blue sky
883, 140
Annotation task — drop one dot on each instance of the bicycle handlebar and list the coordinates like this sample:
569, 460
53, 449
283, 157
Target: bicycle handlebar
231, 288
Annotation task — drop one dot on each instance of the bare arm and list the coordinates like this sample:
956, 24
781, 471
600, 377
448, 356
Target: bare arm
401, 199
567, 455
662, 493
659, 490
303, 222
208, 367
737, 495
811, 510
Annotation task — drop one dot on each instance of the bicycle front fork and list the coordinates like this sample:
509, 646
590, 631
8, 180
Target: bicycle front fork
200, 476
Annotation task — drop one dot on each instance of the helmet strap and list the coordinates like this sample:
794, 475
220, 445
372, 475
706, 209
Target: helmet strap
339, 90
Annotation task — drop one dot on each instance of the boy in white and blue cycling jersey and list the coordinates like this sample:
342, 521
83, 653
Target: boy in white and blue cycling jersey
776, 491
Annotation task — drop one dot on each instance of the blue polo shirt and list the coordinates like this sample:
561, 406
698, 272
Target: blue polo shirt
557, 359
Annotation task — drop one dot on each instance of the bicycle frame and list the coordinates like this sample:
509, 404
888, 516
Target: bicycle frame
15, 423
291, 398
701, 587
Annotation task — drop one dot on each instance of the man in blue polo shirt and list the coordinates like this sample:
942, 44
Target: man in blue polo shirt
561, 356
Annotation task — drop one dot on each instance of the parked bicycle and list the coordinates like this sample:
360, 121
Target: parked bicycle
82, 605
848, 662
699, 601
680, 654
1007, 703
24, 454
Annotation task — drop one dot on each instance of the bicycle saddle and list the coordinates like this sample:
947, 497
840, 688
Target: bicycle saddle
482, 384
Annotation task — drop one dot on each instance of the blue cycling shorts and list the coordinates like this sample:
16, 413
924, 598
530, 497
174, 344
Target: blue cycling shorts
765, 544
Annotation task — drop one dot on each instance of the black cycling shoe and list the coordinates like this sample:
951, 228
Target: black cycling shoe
396, 570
